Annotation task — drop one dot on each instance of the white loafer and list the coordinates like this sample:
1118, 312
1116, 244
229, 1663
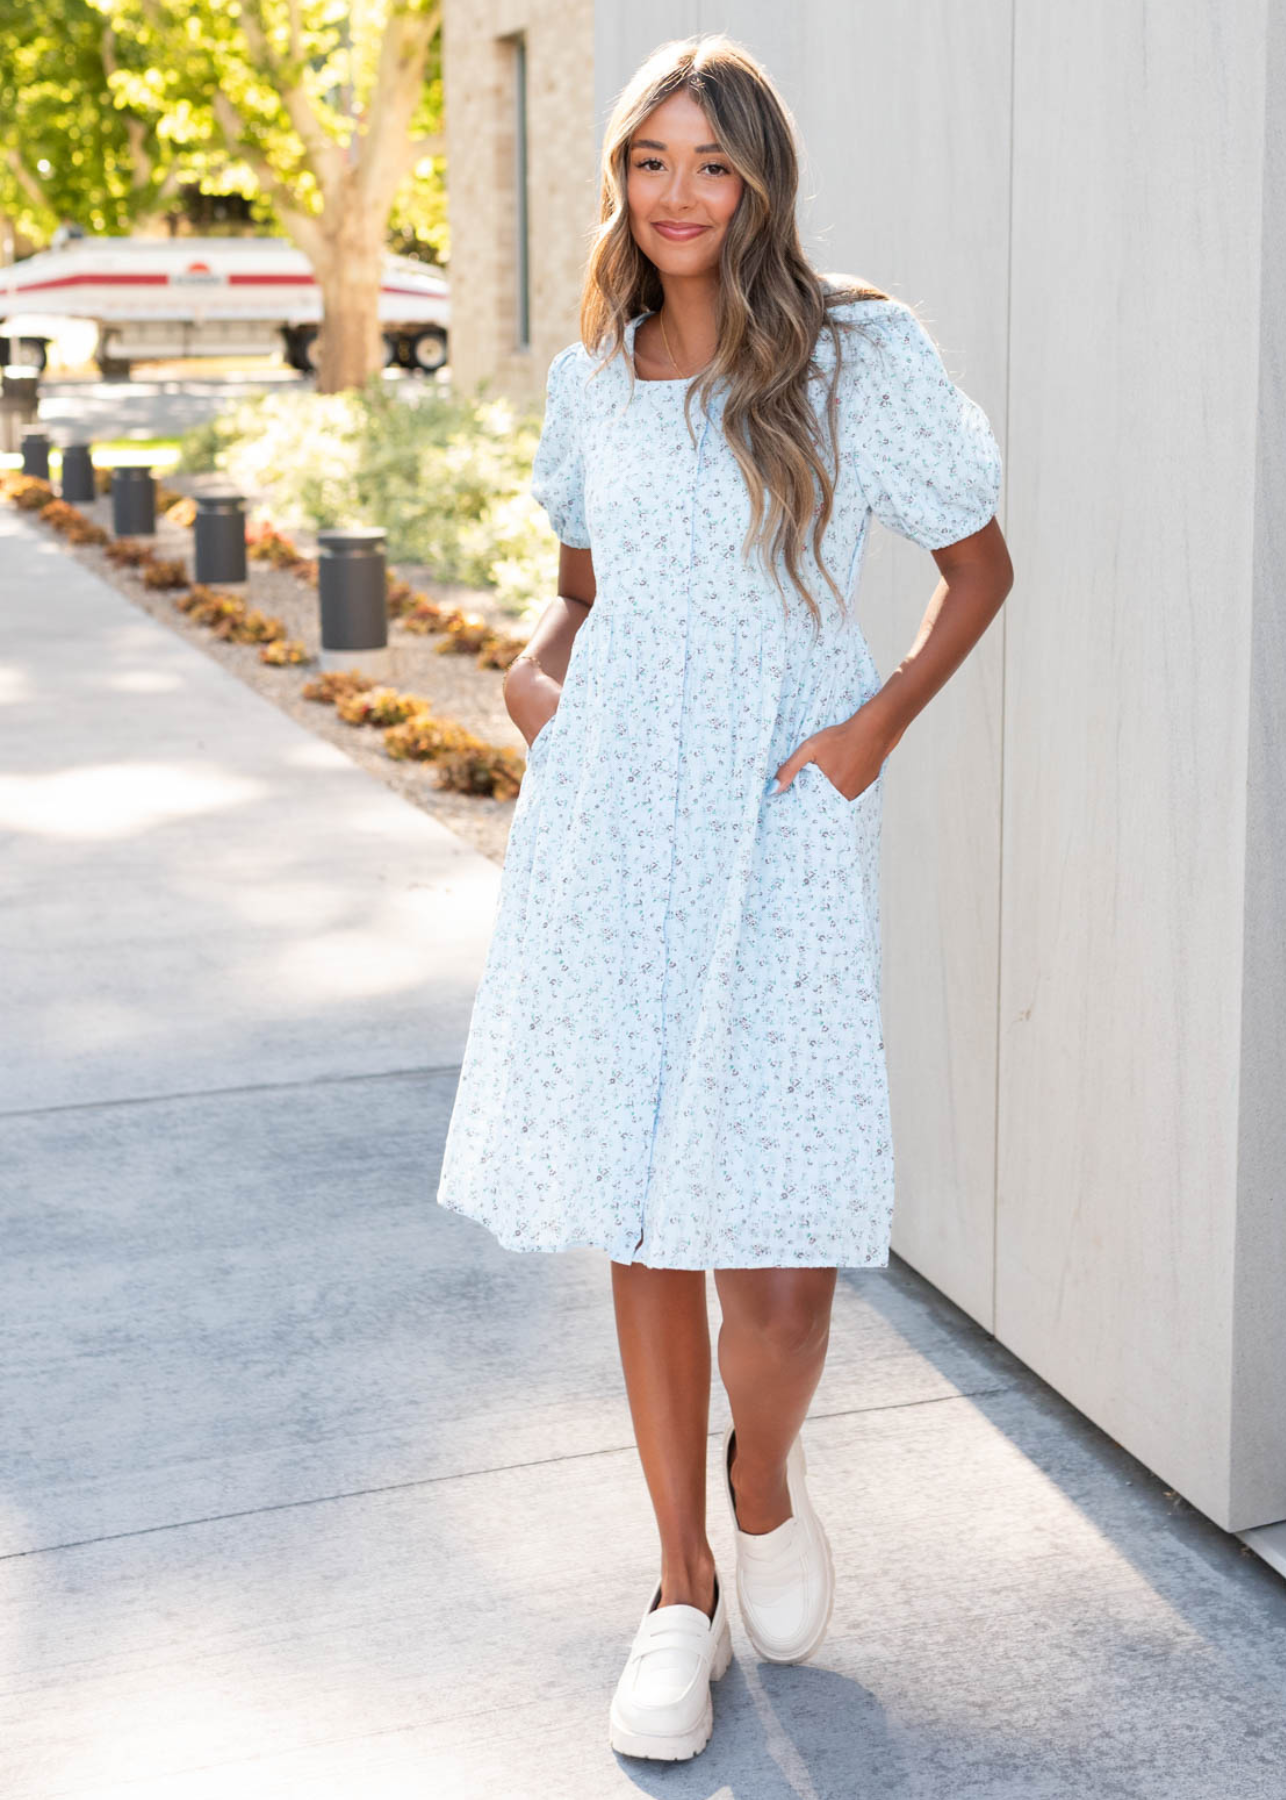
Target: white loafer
785, 1577
662, 1706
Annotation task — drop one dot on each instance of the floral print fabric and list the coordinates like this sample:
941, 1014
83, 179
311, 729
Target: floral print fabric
676, 1052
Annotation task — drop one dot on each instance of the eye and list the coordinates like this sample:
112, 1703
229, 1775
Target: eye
644, 161
720, 168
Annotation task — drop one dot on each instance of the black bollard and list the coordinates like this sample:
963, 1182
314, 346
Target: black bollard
78, 474
35, 454
19, 382
133, 502
220, 539
350, 577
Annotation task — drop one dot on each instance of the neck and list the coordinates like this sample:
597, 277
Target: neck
691, 309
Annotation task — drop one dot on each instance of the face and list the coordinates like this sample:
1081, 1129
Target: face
681, 190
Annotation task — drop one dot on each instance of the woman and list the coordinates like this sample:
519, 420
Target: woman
676, 1052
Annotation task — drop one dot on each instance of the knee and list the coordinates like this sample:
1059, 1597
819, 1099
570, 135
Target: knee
792, 1333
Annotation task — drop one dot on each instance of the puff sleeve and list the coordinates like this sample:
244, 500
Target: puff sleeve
927, 460
558, 469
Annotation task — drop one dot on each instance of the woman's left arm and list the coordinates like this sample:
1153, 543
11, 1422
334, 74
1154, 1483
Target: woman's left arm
976, 576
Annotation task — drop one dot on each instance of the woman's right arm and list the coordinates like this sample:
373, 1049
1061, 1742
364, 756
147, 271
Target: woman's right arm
532, 689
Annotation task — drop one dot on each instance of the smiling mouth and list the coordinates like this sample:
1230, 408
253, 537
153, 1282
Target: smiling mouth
668, 229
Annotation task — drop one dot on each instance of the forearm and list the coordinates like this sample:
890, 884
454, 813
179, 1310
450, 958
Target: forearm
532, 687
960, 609
555, 634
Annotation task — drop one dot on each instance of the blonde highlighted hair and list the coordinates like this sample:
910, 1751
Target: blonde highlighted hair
772, 303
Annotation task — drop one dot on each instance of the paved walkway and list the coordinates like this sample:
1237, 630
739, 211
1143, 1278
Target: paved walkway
314, 1493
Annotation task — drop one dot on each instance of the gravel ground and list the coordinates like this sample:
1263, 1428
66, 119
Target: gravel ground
453, 685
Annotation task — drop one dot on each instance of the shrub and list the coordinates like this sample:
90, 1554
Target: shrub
59, 514
424, 615
333, 684
229, 618
26, 491
446, 478
379, 706
491, 770
464, 634
285, 650
207, 607
72, 523
500, 652
129, 553
399, 596
264, 543
424, 738
258, 627
160, 574
196, 596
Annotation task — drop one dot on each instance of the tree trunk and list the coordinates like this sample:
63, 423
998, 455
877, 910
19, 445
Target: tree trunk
349, 269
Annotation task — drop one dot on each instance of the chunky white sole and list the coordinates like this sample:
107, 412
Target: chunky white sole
678, 1747
795, 1655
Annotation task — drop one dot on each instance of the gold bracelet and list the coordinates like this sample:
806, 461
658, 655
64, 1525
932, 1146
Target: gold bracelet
523, 656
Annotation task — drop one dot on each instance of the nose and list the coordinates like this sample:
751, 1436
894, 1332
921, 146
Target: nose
678, 191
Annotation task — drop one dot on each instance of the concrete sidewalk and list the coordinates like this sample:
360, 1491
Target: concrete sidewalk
313, 1491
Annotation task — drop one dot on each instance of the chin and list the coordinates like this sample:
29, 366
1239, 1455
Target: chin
682, 259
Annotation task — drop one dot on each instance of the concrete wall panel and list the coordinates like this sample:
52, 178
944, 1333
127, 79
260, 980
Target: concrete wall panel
1137, 160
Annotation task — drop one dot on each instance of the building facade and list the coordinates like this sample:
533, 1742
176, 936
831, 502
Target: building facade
522, 155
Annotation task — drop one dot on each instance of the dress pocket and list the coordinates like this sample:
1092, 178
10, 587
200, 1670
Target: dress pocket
823, 782
536, 748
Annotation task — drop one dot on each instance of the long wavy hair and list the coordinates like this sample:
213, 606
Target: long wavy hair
773, 304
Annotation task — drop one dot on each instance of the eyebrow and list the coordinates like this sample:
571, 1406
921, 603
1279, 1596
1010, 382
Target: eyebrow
653, 144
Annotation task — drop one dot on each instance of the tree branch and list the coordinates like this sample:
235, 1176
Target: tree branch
26, 180
135, 130
321, 151
385, 152
168, 185
302, 227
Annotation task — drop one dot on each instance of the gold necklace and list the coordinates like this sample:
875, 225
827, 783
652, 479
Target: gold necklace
660, 319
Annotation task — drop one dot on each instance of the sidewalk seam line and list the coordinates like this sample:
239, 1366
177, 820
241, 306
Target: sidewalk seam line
250, 1087
426, 1481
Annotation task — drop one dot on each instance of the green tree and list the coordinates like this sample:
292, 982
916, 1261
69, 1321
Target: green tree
70, 149
324, 108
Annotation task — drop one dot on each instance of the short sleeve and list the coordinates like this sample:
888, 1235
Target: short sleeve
558, 470
927, 458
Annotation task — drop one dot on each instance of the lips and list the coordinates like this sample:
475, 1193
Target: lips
680, 233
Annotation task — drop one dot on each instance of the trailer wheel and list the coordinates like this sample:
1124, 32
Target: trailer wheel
392, 349
429, 350
296, 339
110, 367
33, 350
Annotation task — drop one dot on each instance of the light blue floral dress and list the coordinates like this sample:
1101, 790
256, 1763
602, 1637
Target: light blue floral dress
676, 1052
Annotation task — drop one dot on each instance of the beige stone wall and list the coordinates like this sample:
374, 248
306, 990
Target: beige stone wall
562, 183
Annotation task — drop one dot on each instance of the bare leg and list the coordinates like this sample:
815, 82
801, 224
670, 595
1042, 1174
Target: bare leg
664, 1333
772, 1349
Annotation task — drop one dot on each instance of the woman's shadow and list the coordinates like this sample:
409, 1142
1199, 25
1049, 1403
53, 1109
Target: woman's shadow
802, 1732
